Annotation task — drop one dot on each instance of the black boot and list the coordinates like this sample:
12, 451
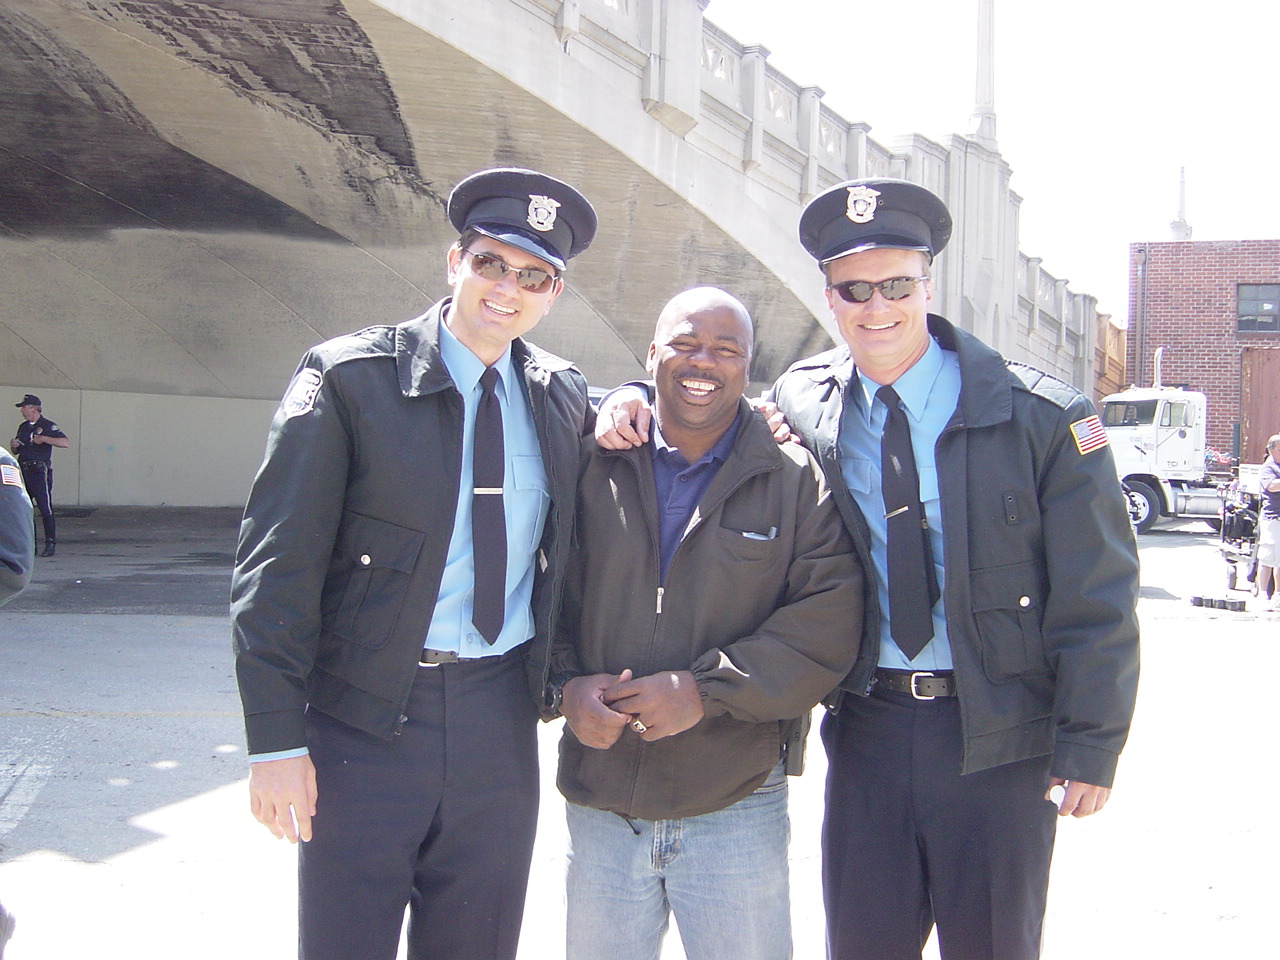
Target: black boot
50, 536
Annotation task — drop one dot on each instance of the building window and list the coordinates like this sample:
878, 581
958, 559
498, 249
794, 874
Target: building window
1258, 307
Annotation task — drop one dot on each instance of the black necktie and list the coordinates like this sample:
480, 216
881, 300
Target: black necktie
488, 522
913, 585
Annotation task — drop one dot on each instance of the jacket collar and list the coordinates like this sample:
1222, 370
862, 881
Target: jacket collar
753, 450
986, 386
421, 370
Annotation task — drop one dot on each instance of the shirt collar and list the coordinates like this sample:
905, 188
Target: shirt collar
719, 450
913, 386
465, 367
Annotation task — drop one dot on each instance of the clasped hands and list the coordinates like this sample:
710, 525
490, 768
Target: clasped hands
599, 707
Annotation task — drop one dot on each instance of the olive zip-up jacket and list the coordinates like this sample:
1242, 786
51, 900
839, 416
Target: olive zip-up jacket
345, 534
762, 602
1041, 564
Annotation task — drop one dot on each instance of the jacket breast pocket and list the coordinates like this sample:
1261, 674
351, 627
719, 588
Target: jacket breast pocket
748, 545
369, 579
1007, 607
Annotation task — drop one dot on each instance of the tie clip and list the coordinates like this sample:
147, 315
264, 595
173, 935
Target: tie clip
498, 491
896, 512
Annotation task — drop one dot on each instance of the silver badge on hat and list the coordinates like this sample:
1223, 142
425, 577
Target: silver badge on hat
861, 205
542, 212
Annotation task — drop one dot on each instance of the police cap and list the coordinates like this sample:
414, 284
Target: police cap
536, 213
863, 214
30, 400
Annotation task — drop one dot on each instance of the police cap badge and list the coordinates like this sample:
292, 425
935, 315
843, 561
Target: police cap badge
864, 214
531, 211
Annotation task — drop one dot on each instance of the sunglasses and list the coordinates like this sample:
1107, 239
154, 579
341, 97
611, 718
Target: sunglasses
860, 291
493, 269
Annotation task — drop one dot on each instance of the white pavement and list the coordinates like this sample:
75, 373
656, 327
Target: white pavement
124, 829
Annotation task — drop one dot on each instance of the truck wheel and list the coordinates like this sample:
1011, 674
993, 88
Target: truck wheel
1144, 505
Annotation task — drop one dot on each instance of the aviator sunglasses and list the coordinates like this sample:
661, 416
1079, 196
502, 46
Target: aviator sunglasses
493, 269
860, 291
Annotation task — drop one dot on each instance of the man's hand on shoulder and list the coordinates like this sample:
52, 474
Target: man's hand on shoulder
1078, 799
623, 419
282, 796
583, 707
778, 425
664, 703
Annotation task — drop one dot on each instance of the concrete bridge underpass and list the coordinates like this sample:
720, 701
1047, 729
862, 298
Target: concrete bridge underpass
191, 194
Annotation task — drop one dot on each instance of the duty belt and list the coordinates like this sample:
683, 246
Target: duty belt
921, 684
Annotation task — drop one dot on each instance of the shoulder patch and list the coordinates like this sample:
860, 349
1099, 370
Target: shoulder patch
10, 474
1089, 435
300, 398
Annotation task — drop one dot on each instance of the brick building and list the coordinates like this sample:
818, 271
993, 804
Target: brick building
1214, 305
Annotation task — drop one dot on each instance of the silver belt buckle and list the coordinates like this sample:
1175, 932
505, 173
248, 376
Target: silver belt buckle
920, 673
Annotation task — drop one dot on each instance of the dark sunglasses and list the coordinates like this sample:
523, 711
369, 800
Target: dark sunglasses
860, 291
493, 269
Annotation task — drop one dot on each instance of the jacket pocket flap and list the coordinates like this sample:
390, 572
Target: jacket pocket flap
368, 542
1011, 587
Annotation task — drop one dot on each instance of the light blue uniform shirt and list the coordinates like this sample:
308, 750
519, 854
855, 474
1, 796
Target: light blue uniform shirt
525, 503
929, 390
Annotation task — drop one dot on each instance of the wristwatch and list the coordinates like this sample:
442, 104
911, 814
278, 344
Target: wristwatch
553, 692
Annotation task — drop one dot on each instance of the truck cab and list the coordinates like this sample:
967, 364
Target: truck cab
1157, 436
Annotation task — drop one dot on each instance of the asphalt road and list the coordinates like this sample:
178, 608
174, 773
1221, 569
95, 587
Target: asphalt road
124, 828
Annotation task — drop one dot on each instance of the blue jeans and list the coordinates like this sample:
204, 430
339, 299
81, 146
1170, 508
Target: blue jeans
724, 874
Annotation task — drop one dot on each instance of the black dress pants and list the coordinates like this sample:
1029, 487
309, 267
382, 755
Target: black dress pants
440, 819
908, 842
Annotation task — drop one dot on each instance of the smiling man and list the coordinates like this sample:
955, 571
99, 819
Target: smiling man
999, 662
395, 589
712, 600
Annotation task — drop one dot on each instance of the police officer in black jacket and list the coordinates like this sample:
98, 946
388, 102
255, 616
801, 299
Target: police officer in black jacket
391, 626
37, 436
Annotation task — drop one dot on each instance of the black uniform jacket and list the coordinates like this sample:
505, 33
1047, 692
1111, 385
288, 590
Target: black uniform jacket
1041, 565
345, 534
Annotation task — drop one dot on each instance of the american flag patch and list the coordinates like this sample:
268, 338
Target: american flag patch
10, 474
1089, 434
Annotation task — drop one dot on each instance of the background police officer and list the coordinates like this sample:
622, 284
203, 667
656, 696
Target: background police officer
37, 436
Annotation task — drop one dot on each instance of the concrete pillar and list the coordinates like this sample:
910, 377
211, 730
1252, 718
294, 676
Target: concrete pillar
855, 157
810, 143
672, 81
754, 59
568, 20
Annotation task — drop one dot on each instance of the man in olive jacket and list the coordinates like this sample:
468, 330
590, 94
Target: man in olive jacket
712, 600
386, 682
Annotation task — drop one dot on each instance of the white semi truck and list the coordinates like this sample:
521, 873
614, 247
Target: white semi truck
1158, 437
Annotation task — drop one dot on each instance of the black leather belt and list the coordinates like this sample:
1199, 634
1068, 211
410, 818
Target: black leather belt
433, 658
921, 684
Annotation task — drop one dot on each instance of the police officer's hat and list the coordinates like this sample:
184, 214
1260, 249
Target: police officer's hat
864, 214
30, 400
539, 214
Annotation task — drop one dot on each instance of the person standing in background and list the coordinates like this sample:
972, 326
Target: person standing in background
1269, 526
37, 436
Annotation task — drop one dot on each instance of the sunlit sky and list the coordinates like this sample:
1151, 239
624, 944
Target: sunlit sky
1098, 104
